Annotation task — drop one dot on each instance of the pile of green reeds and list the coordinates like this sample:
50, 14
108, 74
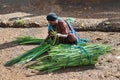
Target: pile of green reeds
31, 54
62, 56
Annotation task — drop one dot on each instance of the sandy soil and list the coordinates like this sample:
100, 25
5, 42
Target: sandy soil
108, 66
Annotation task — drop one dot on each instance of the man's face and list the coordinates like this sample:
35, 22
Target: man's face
53, 22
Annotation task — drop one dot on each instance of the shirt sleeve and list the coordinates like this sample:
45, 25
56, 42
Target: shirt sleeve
64, 28
50, 28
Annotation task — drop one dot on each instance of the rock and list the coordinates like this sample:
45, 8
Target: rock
105, 42
118, 44
98, 39
118, 57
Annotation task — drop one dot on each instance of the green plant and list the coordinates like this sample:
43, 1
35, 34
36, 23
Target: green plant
20, 22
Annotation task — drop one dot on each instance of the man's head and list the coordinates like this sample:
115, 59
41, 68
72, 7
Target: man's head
52, 18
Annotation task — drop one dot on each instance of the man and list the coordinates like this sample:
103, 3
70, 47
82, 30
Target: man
65, 33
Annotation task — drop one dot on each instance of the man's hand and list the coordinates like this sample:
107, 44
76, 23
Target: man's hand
53, 33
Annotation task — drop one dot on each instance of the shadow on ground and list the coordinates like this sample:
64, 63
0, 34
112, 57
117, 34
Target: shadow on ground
66, 70
7, 45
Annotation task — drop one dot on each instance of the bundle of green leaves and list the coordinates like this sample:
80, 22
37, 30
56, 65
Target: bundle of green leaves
61, 56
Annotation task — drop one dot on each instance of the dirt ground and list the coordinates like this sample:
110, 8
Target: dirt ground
108, 66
